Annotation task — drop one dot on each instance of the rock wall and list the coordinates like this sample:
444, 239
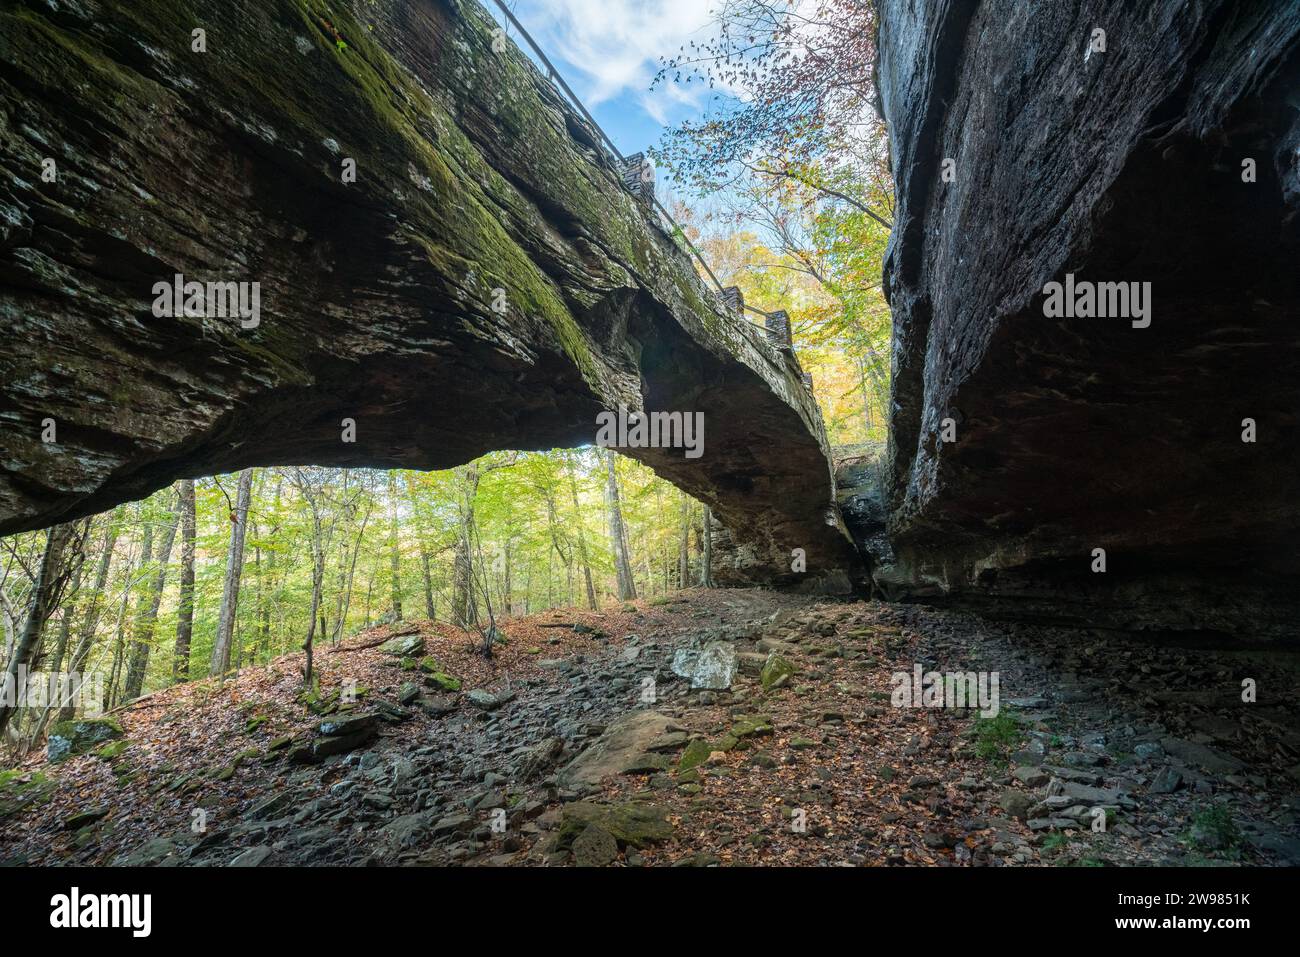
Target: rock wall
485, 282
1027, 146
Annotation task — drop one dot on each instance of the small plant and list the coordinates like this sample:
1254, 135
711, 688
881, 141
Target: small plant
1053, 843
1213, 829
996, 737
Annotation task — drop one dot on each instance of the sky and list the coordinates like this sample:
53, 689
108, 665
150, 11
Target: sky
609, 50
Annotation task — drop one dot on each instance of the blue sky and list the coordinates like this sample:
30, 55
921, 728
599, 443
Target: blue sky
608, 51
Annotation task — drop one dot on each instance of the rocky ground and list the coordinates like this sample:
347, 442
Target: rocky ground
584, 741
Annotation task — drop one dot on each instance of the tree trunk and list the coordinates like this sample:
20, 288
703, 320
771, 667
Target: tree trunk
317, 580
120, 628
90, 624
69, 614
120, 645
618, 535
684, 545
185, 607
582, 538
352, 574
506, 604
430, 611
464, 602
706, 565
50, 579
394, 557
234, 569
148, 618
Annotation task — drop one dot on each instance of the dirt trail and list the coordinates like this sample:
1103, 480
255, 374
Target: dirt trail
587, 746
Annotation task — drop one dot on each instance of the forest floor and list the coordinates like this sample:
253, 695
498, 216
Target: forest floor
551, 752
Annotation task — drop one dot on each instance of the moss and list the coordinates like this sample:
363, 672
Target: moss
777, 672
752, 726
111, 750
444, 681
395, 130
632, 824
20, 790
696, 753
77, 736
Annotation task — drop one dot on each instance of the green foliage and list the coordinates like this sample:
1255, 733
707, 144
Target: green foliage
1213, 829
996, 737
539, 521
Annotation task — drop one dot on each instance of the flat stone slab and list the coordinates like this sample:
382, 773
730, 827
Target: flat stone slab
626, 744
405, 646
1211, 759
487, 700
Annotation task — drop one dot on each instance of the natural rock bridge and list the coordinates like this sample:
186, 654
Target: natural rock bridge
484, 281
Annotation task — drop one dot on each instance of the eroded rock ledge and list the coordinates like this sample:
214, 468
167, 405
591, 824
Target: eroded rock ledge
376, 296
1076, 434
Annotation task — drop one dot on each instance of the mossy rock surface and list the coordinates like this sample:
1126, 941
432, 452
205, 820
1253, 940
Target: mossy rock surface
20, 790
632, 824
752, 726
405, 646
79, 736
696, 753
446, 682
777, 672
111, 750
473, 176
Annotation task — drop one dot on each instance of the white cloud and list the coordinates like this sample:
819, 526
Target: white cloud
617, 45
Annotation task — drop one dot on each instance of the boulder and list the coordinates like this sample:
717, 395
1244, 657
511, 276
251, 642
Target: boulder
82, 818
407, 831
489, 700
348, 725
631, 824
313, 752
777, 672
443, 681
23, 789
253, 857
403, 646
437, 705
696, 753
712, 666
156, 852
1200, 755
79, 736
1016, 803
594, 847
539, 758
751, 663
